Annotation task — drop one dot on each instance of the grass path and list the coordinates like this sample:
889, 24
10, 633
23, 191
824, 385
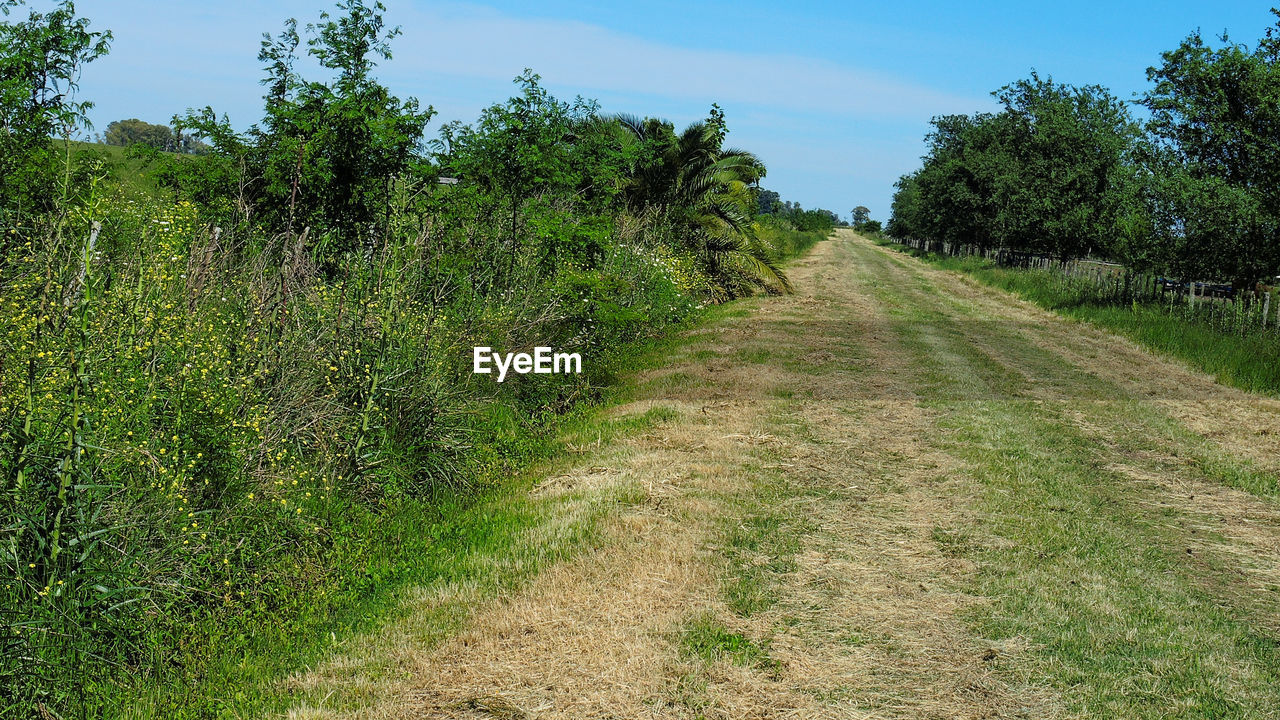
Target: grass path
896, 493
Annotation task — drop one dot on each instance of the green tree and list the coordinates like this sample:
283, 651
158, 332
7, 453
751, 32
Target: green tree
1053, 173
707, 189
860, 215
533, 144
41, 59
126, 133
1215, 169
955, 194
1066, 191
768, 202
906, 213
326, 153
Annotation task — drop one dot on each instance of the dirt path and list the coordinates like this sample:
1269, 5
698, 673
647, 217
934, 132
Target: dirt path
893, 494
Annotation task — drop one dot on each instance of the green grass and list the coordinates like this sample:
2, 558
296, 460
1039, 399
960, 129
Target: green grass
1116, 595
234, 671
759, 546
129, 172
1126, 621
233, 666
1250, 362
706, 639
478, 539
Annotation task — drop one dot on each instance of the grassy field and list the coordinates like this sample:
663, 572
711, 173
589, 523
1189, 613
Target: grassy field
1247, 362
130, 172
897, 493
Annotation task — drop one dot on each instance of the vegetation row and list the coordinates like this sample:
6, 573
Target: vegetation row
1191, 191
235, 364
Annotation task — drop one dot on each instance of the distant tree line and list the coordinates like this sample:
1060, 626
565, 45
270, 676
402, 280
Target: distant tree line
1193, 192
133, 132
769, 202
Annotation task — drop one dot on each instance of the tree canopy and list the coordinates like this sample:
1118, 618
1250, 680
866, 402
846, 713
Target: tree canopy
1067, 171
41, 59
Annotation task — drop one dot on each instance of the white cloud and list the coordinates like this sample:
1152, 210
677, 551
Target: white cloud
826, 130
477, 42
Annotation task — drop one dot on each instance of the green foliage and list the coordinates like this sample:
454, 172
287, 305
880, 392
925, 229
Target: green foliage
1066, 172
804, 220
1070, 147
198, 444
326, 153
768, 201
41, 59
706, 639
1216, 163
705, 190
212, 180
136, 132
224, 404
127, 133
528, 150
1047, 174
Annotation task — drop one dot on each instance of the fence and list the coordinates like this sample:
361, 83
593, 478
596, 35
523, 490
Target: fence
1227, 309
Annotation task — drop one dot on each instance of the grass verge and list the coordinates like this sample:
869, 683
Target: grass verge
1250, 362
1116, 595
478, 539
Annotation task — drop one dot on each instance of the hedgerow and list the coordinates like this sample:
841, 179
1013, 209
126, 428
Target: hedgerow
214, 387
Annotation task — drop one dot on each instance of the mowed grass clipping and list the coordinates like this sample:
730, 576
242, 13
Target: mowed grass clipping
480, 540
1123, 597
1250, 362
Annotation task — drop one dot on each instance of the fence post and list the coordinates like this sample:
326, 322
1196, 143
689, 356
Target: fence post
1266, 309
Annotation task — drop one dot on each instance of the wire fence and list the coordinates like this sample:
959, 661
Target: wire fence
1227, 309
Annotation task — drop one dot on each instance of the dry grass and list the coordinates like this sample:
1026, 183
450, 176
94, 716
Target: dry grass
1242, 423
796, 430
597, 636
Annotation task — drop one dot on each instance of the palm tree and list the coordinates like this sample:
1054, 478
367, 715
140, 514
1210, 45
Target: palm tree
707, 190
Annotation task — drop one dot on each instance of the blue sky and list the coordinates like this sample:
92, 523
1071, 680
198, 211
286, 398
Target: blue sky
835, 97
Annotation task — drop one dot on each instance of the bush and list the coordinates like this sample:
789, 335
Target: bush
221, 404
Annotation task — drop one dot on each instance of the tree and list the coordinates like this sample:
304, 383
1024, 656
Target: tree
126, 133
954, 196
768, 202
818, 219
861, 214
325, 153
1215, 167
707, 189
906, 221
1072, 148
522, 147
41, 59
1052, 173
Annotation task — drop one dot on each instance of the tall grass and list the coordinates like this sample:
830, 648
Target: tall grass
217, 448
